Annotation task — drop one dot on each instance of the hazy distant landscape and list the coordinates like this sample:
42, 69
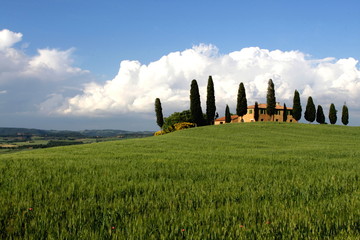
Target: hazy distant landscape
15, 139
233, 181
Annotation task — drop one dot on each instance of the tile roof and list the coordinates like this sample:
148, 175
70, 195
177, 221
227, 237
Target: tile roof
233, 117
264, 105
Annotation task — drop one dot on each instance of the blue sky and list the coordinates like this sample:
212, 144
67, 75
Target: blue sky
98, 35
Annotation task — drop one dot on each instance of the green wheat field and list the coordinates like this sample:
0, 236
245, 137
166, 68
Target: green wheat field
233, 181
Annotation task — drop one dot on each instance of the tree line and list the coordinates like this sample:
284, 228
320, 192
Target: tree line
196, 115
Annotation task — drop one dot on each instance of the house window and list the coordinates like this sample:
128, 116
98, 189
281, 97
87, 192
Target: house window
262, 120
221, 122
250, 111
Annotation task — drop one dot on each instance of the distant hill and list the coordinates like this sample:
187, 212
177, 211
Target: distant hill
112, 133
10, 132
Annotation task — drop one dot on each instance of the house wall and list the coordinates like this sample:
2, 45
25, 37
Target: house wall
263, 117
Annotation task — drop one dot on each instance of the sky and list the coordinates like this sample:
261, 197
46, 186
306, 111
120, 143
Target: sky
79, 64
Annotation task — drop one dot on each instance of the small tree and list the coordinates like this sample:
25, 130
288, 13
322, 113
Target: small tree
159, 114
195, 104
296, 106
227, 114
310, 112
241, 107
256, 112
345, 115
210, 102
270, 99
332, 114
285, 113
320, 117
177, 117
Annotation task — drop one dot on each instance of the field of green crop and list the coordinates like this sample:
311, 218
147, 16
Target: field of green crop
234, 181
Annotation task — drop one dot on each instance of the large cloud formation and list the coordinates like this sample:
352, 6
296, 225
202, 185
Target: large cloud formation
49, 83
27, 81
136, 86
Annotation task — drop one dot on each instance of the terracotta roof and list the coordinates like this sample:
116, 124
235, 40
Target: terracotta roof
233, 117
264, 105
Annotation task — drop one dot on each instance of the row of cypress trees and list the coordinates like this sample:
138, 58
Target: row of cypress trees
311, 114
195, 105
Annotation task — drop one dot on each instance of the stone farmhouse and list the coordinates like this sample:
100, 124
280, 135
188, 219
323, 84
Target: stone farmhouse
263, 116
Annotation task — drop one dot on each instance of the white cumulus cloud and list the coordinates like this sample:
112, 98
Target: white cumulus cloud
53, 60
9, 38
136, 85
30, 80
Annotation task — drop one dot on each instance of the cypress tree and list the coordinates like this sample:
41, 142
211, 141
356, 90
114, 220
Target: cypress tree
241, 107
256, 112
345, 115
270, 99
285, 113
296, 106
210, 102
159, 114
195, 104
310, 112
320, 117
227, 114
332, 114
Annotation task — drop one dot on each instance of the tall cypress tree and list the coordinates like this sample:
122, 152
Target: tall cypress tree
195, 104
285, 113
320, 117
345, 115
310, 112
296, 106
159, 114
227, 114
332, 114
241, 107
210, 102
256, 112
270, 99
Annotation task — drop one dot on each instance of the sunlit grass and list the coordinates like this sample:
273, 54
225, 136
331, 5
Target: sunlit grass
235, 181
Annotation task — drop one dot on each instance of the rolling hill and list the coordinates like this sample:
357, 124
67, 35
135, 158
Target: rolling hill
233, 181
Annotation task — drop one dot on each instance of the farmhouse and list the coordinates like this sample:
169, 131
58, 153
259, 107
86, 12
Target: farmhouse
263, 116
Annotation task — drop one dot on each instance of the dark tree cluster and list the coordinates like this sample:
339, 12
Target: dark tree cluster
241, 107
210, 102
320, 117
195, 105
159, 114
296, 106
270, 99
227, 114
310, 112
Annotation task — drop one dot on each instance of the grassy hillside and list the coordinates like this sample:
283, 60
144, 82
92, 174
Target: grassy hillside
235, 181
